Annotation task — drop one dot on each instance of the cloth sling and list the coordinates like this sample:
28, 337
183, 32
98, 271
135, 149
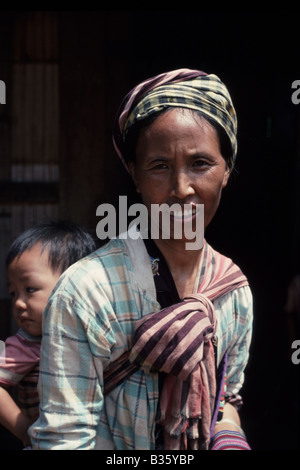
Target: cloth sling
178, 341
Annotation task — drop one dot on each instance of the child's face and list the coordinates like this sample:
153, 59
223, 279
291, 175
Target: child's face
30, 281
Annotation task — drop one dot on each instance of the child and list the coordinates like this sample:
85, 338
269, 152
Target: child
34, 263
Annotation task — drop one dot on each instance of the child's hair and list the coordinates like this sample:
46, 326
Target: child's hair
65, 241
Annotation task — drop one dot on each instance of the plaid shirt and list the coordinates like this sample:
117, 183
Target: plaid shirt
89, 323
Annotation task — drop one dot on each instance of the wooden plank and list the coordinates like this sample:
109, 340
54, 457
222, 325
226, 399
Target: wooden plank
28, 193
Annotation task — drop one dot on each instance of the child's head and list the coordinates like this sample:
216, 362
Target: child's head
34, 263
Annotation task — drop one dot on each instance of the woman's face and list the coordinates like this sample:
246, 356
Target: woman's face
178, 160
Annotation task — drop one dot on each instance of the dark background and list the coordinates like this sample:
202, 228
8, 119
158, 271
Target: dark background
99, 56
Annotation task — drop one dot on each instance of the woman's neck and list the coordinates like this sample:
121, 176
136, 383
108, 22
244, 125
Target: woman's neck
183, 264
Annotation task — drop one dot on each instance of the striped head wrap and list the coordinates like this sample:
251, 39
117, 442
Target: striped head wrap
183, 88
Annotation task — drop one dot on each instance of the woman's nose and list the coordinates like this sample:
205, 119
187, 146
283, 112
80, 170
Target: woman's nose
182, 185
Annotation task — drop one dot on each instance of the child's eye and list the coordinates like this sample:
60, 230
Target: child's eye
30, 290
11, 294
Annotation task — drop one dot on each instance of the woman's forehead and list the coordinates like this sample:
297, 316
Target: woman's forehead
177, 134
177, 125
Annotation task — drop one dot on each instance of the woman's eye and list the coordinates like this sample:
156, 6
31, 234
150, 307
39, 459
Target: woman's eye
161, 166
12, 294
200, 163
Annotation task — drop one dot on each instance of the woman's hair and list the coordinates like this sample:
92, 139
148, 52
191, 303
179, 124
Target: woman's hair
134, 132
65, 241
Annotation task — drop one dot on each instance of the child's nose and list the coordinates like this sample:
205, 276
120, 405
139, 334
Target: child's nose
20, 303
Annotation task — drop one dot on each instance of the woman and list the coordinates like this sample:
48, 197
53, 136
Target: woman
146, 340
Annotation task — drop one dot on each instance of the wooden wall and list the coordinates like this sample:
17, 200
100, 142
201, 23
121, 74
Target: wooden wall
62, 71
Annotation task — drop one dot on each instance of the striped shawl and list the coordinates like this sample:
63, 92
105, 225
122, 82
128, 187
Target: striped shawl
178, 342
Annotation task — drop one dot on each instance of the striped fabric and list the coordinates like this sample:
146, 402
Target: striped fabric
21, 369
221, 274
184, 88
171, 340
118, 372
229, 440
177, 341
88, 326
28, 395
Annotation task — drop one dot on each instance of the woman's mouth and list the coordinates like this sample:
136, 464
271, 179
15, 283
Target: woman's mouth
185, 212
179, 221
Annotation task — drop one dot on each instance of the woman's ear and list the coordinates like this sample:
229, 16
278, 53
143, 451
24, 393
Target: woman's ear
132, 172
226, 176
